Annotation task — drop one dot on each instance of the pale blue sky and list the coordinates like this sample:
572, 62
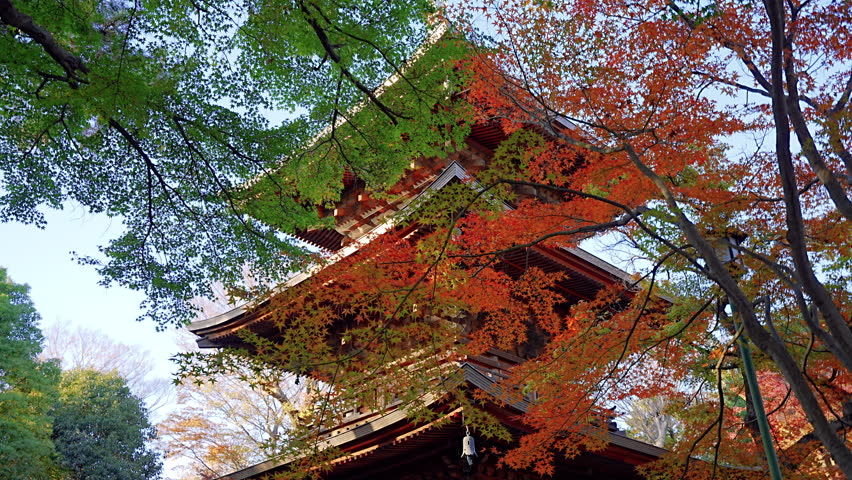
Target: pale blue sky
66, 292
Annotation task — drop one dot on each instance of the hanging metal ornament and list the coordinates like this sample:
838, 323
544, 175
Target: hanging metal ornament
468, 448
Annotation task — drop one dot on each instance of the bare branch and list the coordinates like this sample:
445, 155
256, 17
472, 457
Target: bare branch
717, 79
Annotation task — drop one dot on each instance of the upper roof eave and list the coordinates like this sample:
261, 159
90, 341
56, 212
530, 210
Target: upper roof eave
600, 263
454, 171
233, 317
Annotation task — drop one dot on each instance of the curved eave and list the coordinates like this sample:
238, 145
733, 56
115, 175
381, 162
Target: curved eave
391, 435
211, 329
218, 331
601, 265
224, 324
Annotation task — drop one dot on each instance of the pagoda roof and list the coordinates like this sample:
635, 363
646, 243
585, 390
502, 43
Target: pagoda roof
588, 272
389, 439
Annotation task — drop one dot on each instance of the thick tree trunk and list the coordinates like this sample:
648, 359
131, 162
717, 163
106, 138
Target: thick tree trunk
795, 236
13, 17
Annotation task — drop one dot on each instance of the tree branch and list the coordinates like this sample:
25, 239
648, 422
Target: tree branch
809, 147
731, 83
23, 22
331, 51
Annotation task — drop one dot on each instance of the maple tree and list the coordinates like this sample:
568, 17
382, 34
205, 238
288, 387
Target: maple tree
618, 118
654, 90
154, 112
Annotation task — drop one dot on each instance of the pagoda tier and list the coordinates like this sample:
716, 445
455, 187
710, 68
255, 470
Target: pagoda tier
387, 445
585, 274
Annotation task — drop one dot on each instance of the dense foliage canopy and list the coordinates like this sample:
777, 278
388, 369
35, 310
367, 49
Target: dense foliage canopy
154, 112
695, 121
669, 125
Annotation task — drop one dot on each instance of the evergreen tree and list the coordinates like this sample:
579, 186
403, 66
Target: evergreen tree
28, 388
100, 429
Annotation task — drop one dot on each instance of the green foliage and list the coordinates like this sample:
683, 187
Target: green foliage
27, 389
87, 425
100, 429
154, 112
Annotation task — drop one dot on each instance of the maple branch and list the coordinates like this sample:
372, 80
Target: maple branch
599, 227
809, 147
836, 144
795, 236
200, 459
45, 132
553, 358
526, 85
222, 140
834, 137
640, 312
397, 71
835, 140
687, 226
790, 278
718, 421
598, 386
800, 192
223, 189
326, 401
810, 317
785, 108
756, 332
136, 146
547, 120
391, 316
170, 192
811, 440
634, 214
843, 100
728, 44
720, 274
46, 77
23, 22
331, 52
